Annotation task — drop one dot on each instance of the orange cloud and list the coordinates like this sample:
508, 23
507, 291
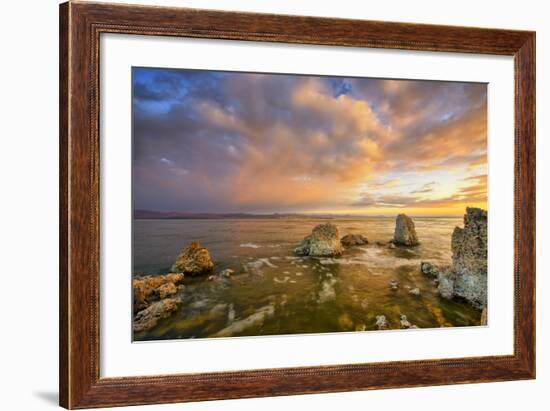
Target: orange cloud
472, 193
259, 142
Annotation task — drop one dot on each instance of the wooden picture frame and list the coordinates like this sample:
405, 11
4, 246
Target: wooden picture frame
80, 27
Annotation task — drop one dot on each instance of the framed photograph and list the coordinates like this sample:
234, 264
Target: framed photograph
258, 205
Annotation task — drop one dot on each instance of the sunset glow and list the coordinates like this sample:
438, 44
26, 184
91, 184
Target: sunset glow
220, 142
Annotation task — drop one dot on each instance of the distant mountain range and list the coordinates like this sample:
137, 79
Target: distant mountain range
178, 215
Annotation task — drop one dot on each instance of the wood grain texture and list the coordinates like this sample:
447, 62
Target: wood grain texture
80, 27
525, 203
63, 205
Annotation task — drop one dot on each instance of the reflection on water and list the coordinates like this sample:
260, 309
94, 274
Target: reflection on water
275, 292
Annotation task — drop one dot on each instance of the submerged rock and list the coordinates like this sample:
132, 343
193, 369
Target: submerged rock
351, 240
394, 285
405, 233
193, 260
324, 241
327, 291
223, 276
429, 269
252, 320
149, 317
345, 322
151, 288
467, 277
255, 267
415, 291
381, 322
360, 327
228, 272
405, 322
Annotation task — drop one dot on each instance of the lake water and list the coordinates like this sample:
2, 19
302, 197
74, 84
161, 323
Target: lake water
275, 292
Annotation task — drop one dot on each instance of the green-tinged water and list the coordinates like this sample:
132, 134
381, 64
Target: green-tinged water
275, 292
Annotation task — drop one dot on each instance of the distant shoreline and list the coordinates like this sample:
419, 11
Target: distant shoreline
204, 216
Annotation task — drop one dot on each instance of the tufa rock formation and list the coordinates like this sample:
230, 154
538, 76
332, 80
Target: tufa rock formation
148, 318
155, 298
446, 284
467, 277
324, 241
381, 322
429, 269
469, 244
167, 290
151, 288
351, 240
193, 260
405, 234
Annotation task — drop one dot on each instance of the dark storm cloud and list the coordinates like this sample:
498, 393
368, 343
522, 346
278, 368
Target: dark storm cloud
220, 142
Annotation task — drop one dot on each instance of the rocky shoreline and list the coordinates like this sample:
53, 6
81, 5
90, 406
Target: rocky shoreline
465, 278
157, 297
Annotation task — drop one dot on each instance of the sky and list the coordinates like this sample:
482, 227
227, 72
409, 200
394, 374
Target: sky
226, 142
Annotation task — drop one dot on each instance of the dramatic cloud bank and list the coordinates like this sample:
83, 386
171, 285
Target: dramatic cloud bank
241, 142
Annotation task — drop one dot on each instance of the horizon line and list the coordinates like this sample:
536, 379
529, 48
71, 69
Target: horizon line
187, 214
